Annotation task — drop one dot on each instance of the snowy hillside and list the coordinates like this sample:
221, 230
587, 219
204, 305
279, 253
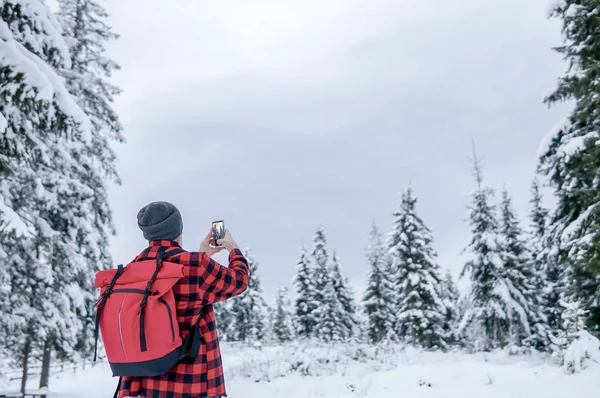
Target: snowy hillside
363, 371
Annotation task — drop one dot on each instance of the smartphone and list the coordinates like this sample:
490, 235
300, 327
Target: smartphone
218, 228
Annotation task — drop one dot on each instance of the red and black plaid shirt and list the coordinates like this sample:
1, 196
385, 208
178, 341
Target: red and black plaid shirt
205, 282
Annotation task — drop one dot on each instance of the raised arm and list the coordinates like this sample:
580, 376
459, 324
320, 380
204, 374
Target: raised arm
217, 283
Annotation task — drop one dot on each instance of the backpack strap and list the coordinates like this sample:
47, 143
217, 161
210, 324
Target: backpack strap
101, 304
143, 344
192, 342
171, 253
116, 394
159, 260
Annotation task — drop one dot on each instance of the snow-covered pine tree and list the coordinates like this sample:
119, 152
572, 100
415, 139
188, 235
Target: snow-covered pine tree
345, 296
49, 221
269, 328
487, 312
538, 214
527, 321
320, 261
539, 218
554, 282
225, 320
379, 298
450, 297
249, 308
546, 273
305, 304
330, 328
570, 160
329, 313
421, 311
282, 326
467, 334
85, 30
572, 322
577, 347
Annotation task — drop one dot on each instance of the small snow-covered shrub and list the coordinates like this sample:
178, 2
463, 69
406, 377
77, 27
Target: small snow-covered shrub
582, 352
303, 358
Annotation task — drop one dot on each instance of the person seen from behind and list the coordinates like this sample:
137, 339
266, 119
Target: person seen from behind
144, 288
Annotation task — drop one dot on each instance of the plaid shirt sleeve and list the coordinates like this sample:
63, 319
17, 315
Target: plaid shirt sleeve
216, 282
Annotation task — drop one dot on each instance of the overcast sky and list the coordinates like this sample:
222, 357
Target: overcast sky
279, 116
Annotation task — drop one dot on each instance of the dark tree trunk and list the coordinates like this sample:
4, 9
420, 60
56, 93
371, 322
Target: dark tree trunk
26, 353
46, 358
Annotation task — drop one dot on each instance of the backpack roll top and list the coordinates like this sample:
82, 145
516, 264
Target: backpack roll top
137, 317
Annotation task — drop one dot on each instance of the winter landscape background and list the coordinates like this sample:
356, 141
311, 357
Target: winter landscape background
299, 124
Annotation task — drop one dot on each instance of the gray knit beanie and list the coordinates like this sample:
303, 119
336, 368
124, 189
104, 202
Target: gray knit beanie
160, 220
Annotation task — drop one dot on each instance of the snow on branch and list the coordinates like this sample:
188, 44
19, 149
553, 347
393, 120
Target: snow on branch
42, 78
571, 231
13, 222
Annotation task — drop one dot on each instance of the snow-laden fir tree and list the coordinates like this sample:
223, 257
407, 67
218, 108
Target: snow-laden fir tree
487, 315
546, 273
225, 320
249, 309
380, 296
330, 327
282, 326
269, 332
49, 212
420, 308
86, 32
305, 304
572, 323
576, 346
85, 29
570, 159
450, 297
539, 217
329, 314
554, 278
527, 322
345, 296
321, 268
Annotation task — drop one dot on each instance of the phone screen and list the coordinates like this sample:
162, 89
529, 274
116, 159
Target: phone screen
218, 230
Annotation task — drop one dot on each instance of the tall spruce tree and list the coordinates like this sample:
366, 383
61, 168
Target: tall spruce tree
379, 298
305, 304
282, 326
320, 260
421, 311
528, 323
450, 297
345, 296
249, 308
570, 160
539, 217
86, 32
49, 220
487, 315
546, 273
329, 314
330, 327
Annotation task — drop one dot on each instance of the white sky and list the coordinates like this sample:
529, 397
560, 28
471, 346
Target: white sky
278, 116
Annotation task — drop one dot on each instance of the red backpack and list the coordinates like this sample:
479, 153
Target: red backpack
137, 316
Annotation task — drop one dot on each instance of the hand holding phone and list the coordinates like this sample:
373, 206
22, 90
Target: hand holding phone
218, 231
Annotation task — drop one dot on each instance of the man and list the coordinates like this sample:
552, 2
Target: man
205, 282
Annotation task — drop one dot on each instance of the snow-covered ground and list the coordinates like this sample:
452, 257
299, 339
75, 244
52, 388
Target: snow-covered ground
305, 371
